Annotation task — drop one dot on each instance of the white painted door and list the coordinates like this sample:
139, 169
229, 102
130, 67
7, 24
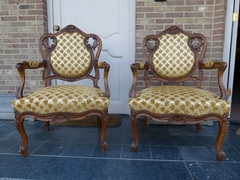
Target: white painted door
114, 22
230, 40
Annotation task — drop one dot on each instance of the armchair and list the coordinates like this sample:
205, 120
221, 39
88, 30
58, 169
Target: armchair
173, 60
70, 55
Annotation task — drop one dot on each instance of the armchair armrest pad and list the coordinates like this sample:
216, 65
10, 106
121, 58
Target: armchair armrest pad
213, 65
101, 64
139, 65
106, 67
135, 67
31, 64
221, 66
21, 67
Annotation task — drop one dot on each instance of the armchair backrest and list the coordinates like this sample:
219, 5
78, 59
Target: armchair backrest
173, 55
71, 54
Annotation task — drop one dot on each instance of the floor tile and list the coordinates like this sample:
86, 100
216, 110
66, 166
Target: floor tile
186, 141
165, 153
231, 154
40, 167
195, 153
142, 139
214, 171
5, 145
113, 151
161, 130
86, 138
209, 130
210, 141
61, 137
182, 130
32, 147
113, 137
79, 149
10, 136
234, 141
39, 135
143, 152
155, 139
51, 148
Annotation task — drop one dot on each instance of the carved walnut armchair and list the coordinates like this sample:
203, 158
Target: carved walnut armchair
69, 55
173, 59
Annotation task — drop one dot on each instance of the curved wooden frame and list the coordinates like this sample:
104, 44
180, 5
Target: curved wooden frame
46, 49
199, 52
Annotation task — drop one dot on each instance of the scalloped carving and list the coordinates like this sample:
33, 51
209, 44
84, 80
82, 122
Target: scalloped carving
61, 118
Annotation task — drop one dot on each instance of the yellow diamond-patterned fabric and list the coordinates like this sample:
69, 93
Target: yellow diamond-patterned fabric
173, 58
179, 100
70, 58
62, 98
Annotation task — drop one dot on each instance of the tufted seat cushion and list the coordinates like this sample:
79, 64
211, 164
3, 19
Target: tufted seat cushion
179, 100
62, 98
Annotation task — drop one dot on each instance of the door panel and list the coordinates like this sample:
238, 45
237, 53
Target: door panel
114, 22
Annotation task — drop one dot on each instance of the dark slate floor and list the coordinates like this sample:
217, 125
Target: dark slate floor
164, 152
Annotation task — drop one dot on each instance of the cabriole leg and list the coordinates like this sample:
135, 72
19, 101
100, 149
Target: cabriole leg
223, 126
133, 120
144, 125
103, 132
198, 128
20, 127
99, 121
46, 125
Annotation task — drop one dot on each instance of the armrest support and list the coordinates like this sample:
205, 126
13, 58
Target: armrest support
221, 66
135, 67
21, 67
105, 66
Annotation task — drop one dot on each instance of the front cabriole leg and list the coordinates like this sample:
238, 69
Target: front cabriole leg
103, 130
223, 126
20, 127
134, 131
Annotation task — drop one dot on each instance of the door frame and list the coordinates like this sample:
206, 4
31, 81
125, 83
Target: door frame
230, 41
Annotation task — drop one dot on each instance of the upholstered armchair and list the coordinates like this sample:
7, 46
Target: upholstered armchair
173, 73
69, 55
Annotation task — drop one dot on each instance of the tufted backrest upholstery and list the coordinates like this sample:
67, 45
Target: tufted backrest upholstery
70, 58
173, 57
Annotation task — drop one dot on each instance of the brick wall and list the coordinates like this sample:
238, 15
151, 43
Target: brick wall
199, 16
22, 22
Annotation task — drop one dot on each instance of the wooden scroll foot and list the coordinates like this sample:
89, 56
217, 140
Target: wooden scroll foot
23, 150
134, 147
103, 127
19, 125
223, 126
220, 155
104, 146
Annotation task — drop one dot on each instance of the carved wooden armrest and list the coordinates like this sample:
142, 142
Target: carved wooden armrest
221, 66
135, 67
105, 66
21, 67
